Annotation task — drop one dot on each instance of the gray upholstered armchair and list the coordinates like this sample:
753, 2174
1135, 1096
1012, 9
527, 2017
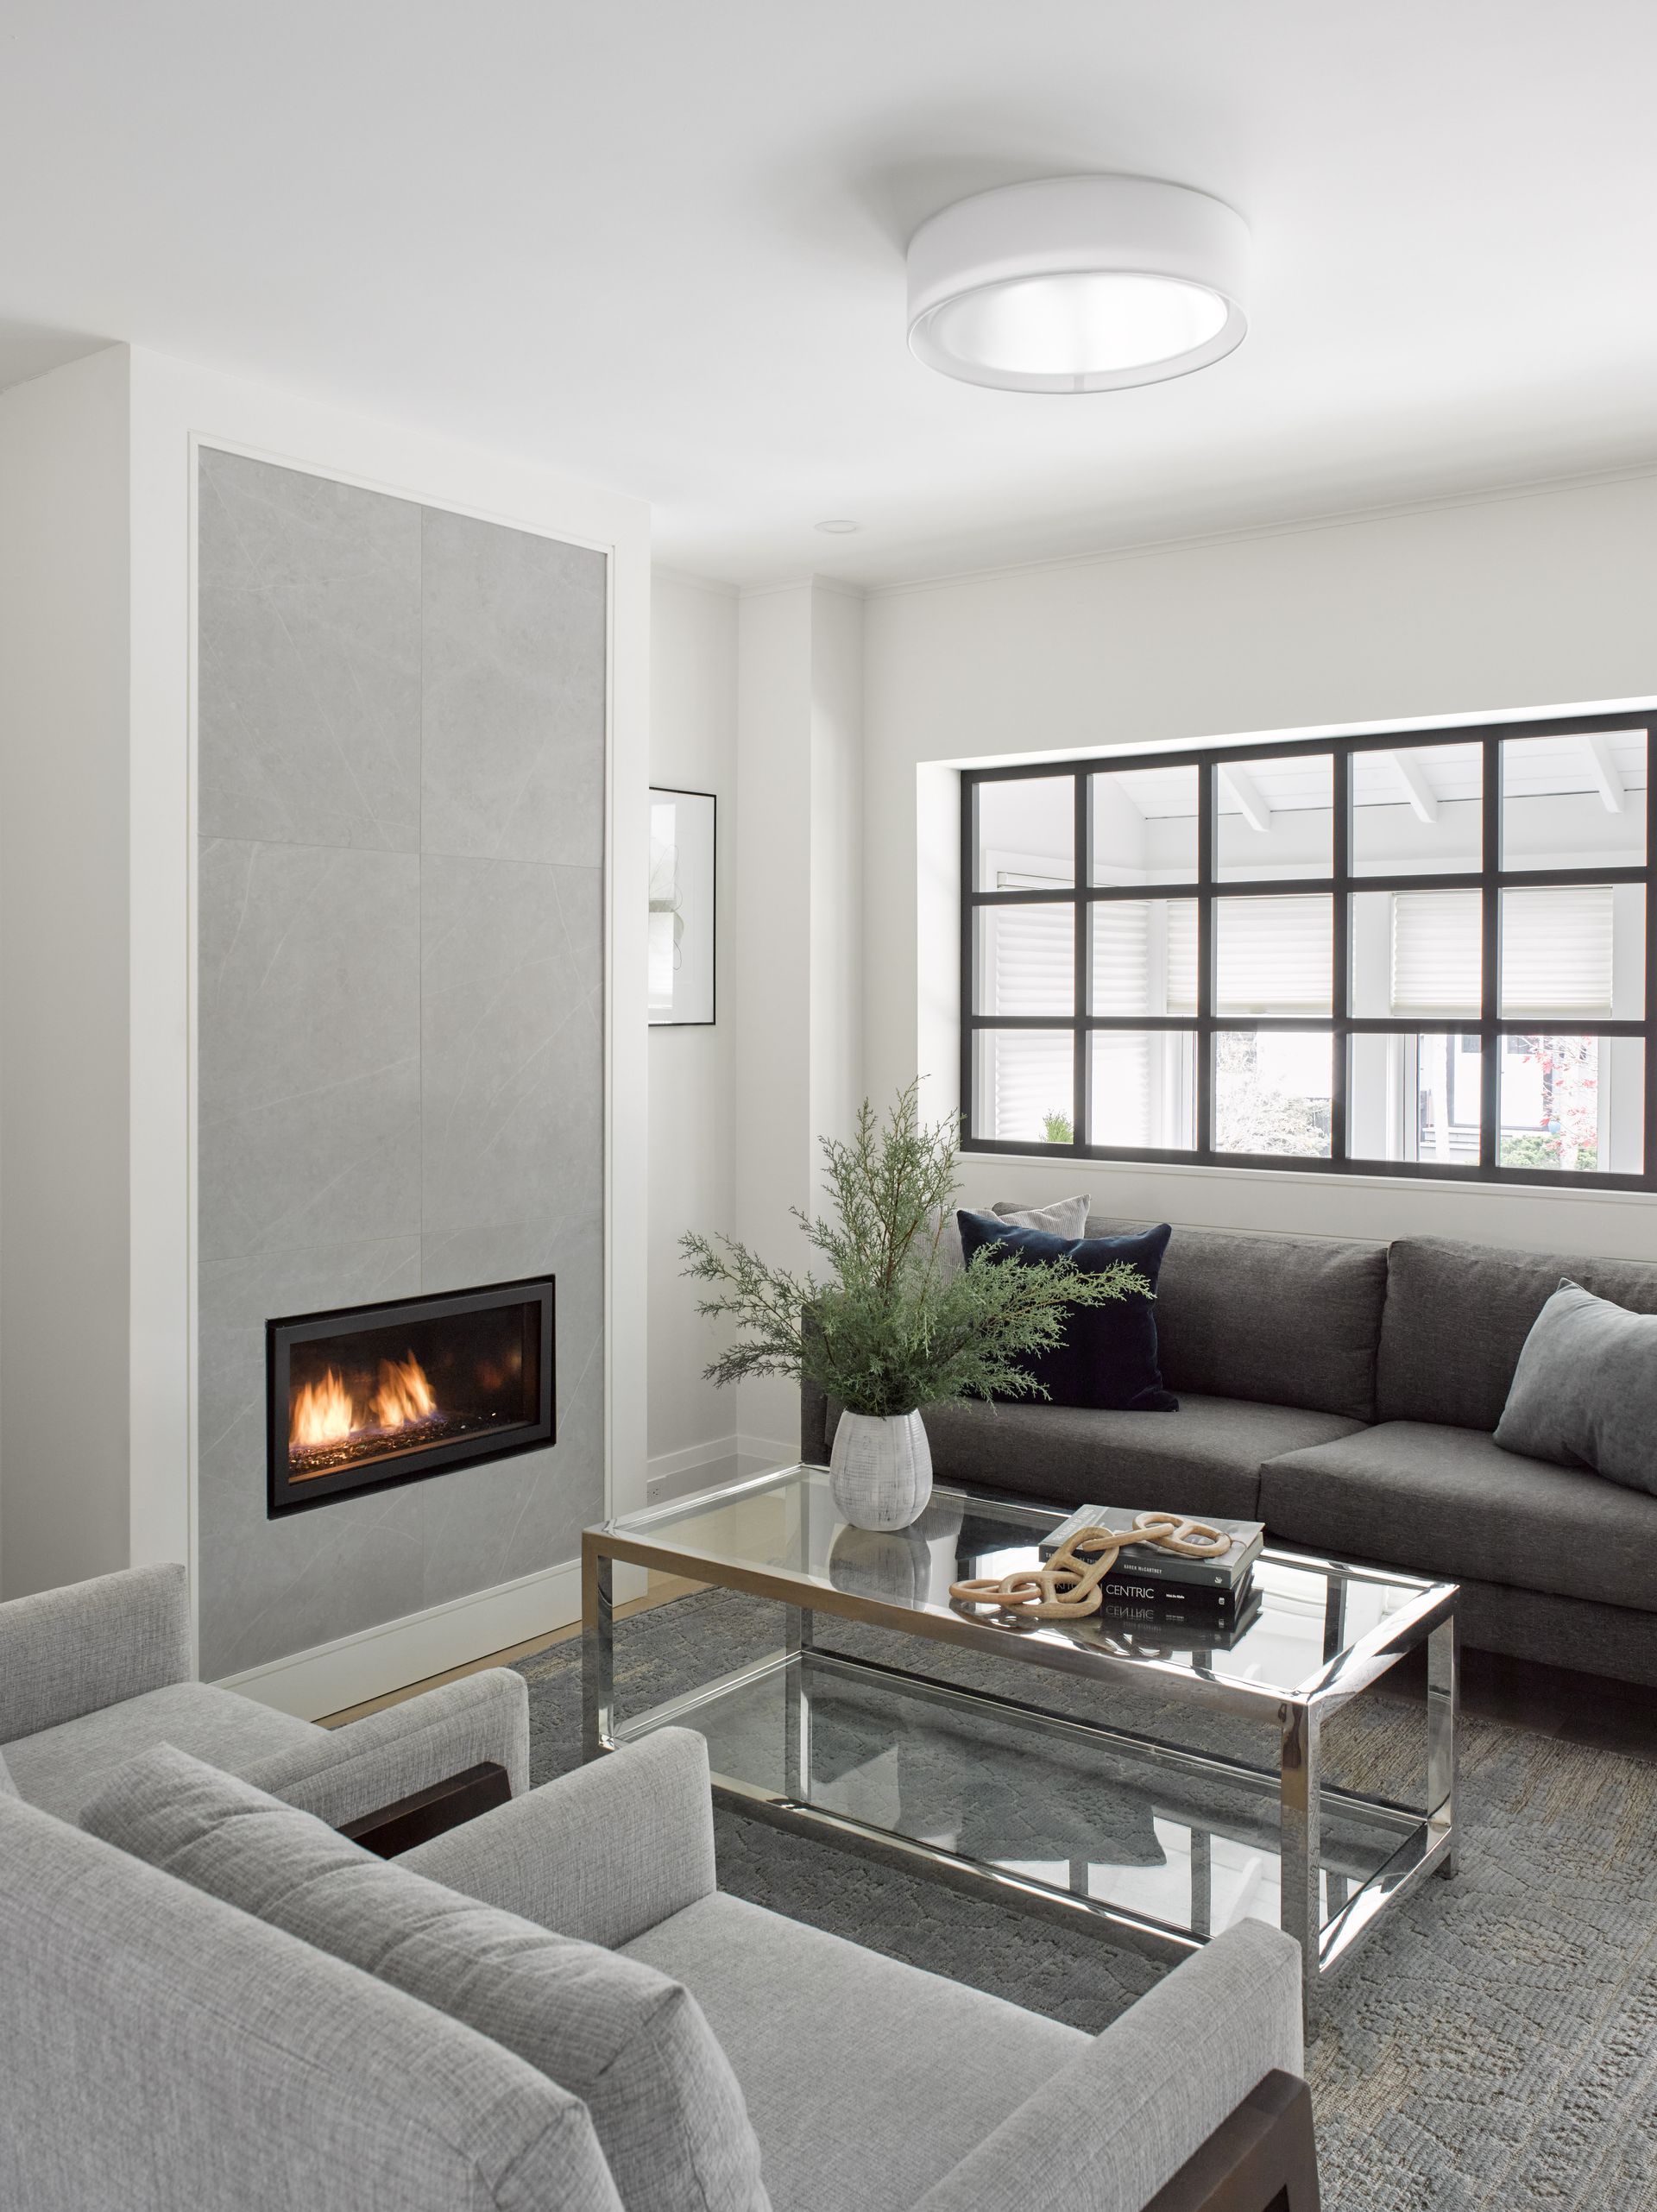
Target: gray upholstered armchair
93, 1674
204, 2005
873, 2087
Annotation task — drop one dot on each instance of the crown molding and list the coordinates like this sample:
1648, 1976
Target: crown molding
1290, 526
716, 587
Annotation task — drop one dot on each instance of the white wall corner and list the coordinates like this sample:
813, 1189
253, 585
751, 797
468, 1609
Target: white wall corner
798, 1063
65, 1178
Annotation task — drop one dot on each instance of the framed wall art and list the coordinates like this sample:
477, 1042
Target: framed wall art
682, 845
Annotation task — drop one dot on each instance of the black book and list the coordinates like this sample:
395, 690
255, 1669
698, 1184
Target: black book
1204, 1601
1151, 1563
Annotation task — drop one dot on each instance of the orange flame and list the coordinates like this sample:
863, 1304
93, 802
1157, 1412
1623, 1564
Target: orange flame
327, 1413
404, 1394
322, 1412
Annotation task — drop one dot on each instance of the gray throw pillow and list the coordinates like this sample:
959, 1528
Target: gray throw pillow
1065, 1217
632, 2043
1584, 1392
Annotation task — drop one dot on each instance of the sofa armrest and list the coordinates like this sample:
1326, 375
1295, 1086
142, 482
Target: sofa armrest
603, 1853
67, 1652
814, 1424
343, 1774
1123, 2118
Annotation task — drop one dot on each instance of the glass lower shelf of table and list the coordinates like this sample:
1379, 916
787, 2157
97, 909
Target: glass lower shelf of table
1172, 1843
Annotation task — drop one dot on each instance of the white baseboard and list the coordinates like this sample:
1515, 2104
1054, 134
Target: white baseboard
773, 1455
332, 1675
723, 1458
667, 1464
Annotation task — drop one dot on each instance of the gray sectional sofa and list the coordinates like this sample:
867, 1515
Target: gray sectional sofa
1345, 1394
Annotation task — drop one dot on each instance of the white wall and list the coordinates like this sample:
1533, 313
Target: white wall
798, 964
63, 976
1543, 601
692, 1140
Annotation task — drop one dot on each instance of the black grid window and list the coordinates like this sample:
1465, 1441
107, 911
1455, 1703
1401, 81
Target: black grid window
1428, 953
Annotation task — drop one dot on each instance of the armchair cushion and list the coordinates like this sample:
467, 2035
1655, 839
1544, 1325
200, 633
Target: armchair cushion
341, 1774
60, 1769
630, 2043
67, 1652
866, 2079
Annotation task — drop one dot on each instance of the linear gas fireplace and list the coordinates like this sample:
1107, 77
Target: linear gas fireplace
369, 1396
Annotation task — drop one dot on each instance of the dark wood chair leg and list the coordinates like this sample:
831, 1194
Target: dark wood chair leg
1263, 2158
416, 1819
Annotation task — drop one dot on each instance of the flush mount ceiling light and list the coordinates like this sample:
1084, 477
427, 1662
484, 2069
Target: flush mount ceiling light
1078, 284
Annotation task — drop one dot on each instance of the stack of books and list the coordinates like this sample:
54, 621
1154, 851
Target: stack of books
1212, 1599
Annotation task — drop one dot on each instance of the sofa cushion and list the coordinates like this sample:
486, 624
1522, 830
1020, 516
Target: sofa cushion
1585, 1394
1106, 1358
8, 1787
61, 1768
1456, 1317
627, 2041
1284, 1321
1447, 1501
1205, 1458
1061, 1217
915, 2070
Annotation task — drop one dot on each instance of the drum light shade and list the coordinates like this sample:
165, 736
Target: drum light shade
1078, 284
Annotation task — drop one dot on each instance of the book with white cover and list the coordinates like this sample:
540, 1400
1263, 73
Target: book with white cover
1152, 1562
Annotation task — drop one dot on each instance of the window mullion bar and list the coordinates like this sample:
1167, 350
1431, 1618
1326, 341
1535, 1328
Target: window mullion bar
1649, 1158
1340, 981
967, 1102
1490, 1049
1205, 1039
1081, 1005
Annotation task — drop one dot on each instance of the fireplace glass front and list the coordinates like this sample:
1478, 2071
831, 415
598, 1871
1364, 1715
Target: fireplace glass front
368, 1396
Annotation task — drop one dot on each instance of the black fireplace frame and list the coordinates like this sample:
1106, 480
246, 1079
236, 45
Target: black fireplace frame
281, 1334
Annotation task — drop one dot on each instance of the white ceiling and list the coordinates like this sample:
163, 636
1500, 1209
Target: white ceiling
658, 244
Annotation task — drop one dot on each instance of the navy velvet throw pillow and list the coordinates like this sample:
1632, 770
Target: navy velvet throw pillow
1108, 1357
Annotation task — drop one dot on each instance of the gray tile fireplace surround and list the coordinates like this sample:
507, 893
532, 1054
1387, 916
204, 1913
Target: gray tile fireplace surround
400, 949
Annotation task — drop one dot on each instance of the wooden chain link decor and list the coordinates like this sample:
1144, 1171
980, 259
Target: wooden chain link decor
1068, 1587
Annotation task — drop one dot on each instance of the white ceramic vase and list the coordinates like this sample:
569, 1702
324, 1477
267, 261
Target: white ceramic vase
880, 1469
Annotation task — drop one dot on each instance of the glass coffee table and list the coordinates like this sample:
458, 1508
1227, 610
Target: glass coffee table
1153, 1783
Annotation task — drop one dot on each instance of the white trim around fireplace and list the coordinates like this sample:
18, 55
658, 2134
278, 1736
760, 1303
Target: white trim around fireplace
174, 408
331, 1676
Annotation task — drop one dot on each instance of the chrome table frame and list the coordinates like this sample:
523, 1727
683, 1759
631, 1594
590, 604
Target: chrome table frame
1426, 1840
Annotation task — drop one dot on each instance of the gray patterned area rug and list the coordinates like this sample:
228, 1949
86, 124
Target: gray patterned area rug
1493, 2047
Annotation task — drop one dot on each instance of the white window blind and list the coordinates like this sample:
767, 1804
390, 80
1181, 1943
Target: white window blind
1034, 972
1122, 977
1556, 951
1034, 961
1274, 955
1025, 1075
1145, 956
1438, 955
1181, 955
